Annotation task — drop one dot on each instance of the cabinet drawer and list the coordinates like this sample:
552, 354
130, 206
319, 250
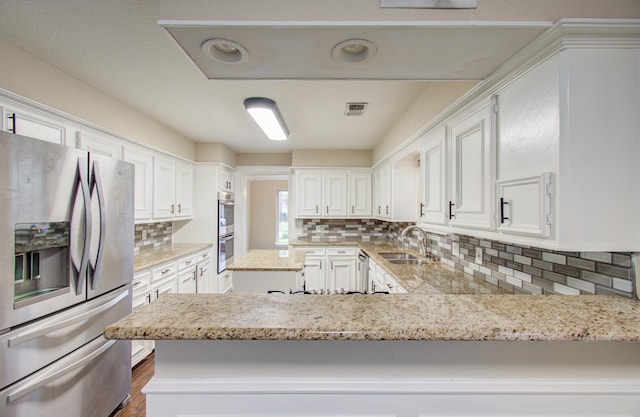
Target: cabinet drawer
186, 262
203, 256
315, 251
342, 251
164, 270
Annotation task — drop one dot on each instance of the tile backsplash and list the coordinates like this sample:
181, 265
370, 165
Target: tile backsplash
152, 236
516, 268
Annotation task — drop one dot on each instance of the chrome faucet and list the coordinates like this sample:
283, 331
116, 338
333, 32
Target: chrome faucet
423, 242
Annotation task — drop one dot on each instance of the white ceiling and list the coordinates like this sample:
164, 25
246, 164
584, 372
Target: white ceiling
119, 48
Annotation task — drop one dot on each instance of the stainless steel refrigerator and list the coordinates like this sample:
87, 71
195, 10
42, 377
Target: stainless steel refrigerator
66, 258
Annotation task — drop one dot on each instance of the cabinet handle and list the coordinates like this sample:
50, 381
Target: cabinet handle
157, 292
316, 209
386, 210
320, 264
373, 286
421, 209
379, 210
188, 263
502, 203
165, 271
327, 209
13, 118
451, 215
353, 209
195, 275
173, 208
148, 298
179, 207
331, 265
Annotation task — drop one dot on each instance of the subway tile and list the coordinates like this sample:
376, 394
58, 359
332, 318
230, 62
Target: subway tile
521, 291
514, 281
485, 243
479, 274
514, 249
532, 253
611, 291
554, 277
485, 270
622, 259
615, 271
505, 285
491, 279
498, 261
623, 285
546, 285
581, 263
522, 276
596, 278
533, 289
532, 271
505, 270
491, 266
468, 270
547, 266
522, 259
585, 286
514, 265
505, 255
554, 257
491, 252
597, 256
567, 270
498, 246
563, 289
500, 276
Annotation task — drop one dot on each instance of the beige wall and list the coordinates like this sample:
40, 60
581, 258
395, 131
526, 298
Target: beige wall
331, 158
435, 98
264, 159
29, 77
215, 152
263, 206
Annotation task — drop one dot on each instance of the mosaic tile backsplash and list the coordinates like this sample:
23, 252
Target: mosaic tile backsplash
152, 236
519, 269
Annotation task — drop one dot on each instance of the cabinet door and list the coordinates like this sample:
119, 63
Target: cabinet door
184, 190
334, 196
524, 205
359, 194
342, 274
164, 188
383, 191
25, 123
308, 193
472, 170
225, 182
314, 274
167, 285
433, 171
187, 281
143, 162
97, 144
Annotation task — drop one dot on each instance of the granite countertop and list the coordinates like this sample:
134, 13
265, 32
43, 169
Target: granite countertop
270, 260
433, 277
147, 258
467, 317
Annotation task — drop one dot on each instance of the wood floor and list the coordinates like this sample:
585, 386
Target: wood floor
141, 374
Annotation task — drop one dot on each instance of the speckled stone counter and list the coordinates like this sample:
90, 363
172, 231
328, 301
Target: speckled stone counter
270, 260
150, 257
383, 317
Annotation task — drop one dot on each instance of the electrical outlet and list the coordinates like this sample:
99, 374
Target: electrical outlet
479, 255
455, 248
144, 234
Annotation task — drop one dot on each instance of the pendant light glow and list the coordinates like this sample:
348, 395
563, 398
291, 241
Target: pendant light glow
266, 114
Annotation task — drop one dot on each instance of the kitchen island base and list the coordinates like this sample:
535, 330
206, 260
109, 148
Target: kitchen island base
394, 378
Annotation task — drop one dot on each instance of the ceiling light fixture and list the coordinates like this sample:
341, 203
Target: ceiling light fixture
225, 51
266, 114
354, 51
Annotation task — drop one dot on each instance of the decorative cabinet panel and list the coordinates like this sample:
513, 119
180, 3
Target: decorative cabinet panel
143, 162
184, 190
524, 205
332, 193
433, 157
98, 144
35, 125
472, 170
342, 273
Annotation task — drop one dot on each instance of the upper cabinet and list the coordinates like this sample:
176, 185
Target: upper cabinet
173, 188
472, 169
142, 160
99, 144
395, 189
434, 204
332, 193
28, 122
225, 179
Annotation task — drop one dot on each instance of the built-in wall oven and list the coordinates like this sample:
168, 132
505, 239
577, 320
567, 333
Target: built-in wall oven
226, 205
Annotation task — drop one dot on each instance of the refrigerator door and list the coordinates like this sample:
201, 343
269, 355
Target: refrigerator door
28, 348
43, 218
111, 187
89, 382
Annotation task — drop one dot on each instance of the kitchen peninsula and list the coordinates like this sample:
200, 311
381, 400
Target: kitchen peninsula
390, 355
261, 271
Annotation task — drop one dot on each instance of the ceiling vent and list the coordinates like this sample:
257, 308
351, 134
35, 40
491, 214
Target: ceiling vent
355, 109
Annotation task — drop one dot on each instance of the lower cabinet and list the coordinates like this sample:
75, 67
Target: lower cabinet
205, 278
225, 282
382, 281
331, 269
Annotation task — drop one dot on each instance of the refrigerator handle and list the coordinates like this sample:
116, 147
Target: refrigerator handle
22, 391
80, 267
96, 182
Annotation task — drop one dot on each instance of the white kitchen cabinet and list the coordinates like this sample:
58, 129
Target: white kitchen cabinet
359, 194
35, 124
395, 189
225, 180
187, 275
314, 272
393, 286
433, 164
331, 269
342, 274
206, 279
334, 194
141, 296
524, 205
172, 188
225, 282
99, 144
142, 160
308, 191
382, 194
472, 172
376, 278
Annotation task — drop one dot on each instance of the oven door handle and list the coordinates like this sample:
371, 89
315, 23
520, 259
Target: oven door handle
226, 238
41, 331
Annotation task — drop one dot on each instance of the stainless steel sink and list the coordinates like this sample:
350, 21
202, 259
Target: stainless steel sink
414, 261
402, 256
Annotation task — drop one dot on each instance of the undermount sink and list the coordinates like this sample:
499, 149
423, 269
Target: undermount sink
407, 261
398, 256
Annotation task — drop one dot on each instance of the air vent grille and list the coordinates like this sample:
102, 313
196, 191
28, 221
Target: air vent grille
355, 109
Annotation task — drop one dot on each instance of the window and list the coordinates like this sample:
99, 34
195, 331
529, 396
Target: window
282, 218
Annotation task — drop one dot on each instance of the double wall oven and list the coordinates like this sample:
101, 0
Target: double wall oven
226, 204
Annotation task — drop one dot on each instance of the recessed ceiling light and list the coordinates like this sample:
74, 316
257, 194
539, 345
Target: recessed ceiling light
354, 50
225, 51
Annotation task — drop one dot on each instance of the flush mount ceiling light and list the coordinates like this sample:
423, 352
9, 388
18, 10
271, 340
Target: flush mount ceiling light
266, 114
225, 51
354, 50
